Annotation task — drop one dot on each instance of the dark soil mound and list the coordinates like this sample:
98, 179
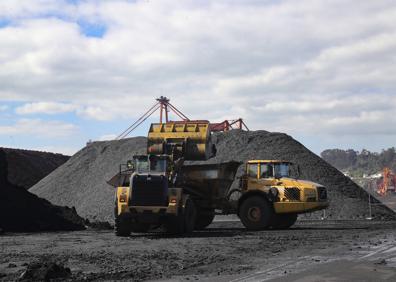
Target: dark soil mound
26, 168
81, 182
44, 270
21, 210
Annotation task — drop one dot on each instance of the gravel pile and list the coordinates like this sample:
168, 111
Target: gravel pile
26, 168
81, 182
21, 210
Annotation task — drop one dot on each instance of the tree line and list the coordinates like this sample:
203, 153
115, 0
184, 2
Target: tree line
357, 163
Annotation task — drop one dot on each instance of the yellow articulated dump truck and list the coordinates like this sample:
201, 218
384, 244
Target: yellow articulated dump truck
162, 189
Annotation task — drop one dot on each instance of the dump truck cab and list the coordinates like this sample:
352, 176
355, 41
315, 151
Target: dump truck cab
271, 197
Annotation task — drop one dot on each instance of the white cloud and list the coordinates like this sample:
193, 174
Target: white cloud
296, 66
45, 108
39, 128
108, 137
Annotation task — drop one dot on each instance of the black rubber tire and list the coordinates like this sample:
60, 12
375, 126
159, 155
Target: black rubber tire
255, 213
140, 227
204, 219
283, 221
123, 225
184, 222
190, 215
174, 224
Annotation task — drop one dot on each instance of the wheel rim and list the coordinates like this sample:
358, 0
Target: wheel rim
254, 214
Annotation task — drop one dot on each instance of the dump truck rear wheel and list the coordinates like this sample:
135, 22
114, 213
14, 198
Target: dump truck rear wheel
123, 225
255, 213
203, 220
283, 221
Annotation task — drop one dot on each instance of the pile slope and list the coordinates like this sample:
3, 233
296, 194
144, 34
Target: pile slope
81, 182
26, 167
21, 210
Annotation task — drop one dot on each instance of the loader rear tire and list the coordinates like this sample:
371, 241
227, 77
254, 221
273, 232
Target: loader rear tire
255, 213
203, 220
123, 225
283, 221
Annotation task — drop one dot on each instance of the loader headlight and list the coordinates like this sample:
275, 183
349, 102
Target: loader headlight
123, 198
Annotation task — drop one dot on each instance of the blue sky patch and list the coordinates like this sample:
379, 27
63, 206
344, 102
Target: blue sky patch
4, 23
92, 29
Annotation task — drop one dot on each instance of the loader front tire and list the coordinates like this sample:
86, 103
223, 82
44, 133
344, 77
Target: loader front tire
140, 227
123, 225
184, 222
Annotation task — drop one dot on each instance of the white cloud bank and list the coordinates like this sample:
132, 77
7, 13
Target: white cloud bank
37, 127
323, 67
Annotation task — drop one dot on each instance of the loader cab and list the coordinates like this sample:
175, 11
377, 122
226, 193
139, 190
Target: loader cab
151, 164
149, 182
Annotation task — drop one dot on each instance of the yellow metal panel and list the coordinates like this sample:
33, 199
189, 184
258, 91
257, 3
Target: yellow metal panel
298, 207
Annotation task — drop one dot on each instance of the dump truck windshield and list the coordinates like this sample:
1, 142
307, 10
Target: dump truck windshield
266, 170
281, 170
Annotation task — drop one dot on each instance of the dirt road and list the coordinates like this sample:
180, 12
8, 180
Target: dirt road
223, 252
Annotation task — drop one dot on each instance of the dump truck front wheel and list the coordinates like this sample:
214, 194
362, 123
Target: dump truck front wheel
283, 221
123, 225
255, 213
204, 219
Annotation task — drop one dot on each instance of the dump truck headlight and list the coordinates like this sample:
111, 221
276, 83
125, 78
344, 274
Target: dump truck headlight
273, 193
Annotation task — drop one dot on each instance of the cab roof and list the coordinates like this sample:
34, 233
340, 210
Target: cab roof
268, 161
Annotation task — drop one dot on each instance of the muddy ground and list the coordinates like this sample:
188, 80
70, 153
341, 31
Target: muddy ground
310, 251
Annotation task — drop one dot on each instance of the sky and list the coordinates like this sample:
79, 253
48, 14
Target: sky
323, 72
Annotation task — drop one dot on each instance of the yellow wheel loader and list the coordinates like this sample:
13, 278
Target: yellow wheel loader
160, 189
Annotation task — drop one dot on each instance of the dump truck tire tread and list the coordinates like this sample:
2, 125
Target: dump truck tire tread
256, 213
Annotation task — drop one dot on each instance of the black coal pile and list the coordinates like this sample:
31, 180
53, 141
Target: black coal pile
81, 182
21, 210
26, 168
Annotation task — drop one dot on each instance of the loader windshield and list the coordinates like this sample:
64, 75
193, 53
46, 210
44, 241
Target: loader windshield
142, 164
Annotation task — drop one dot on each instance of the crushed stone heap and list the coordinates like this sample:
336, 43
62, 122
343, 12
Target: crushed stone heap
81, 182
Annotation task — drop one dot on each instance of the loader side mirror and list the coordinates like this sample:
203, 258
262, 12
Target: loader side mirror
130, 165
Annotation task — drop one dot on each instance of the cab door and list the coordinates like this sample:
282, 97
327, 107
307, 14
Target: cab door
252, 176
266, 174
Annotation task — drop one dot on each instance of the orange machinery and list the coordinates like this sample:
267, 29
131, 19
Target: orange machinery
388, 182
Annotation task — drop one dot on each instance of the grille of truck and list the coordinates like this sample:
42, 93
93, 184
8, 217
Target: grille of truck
292, 194
149, 191
322, 193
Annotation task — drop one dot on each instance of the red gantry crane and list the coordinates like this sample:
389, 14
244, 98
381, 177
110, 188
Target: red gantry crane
164, 106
